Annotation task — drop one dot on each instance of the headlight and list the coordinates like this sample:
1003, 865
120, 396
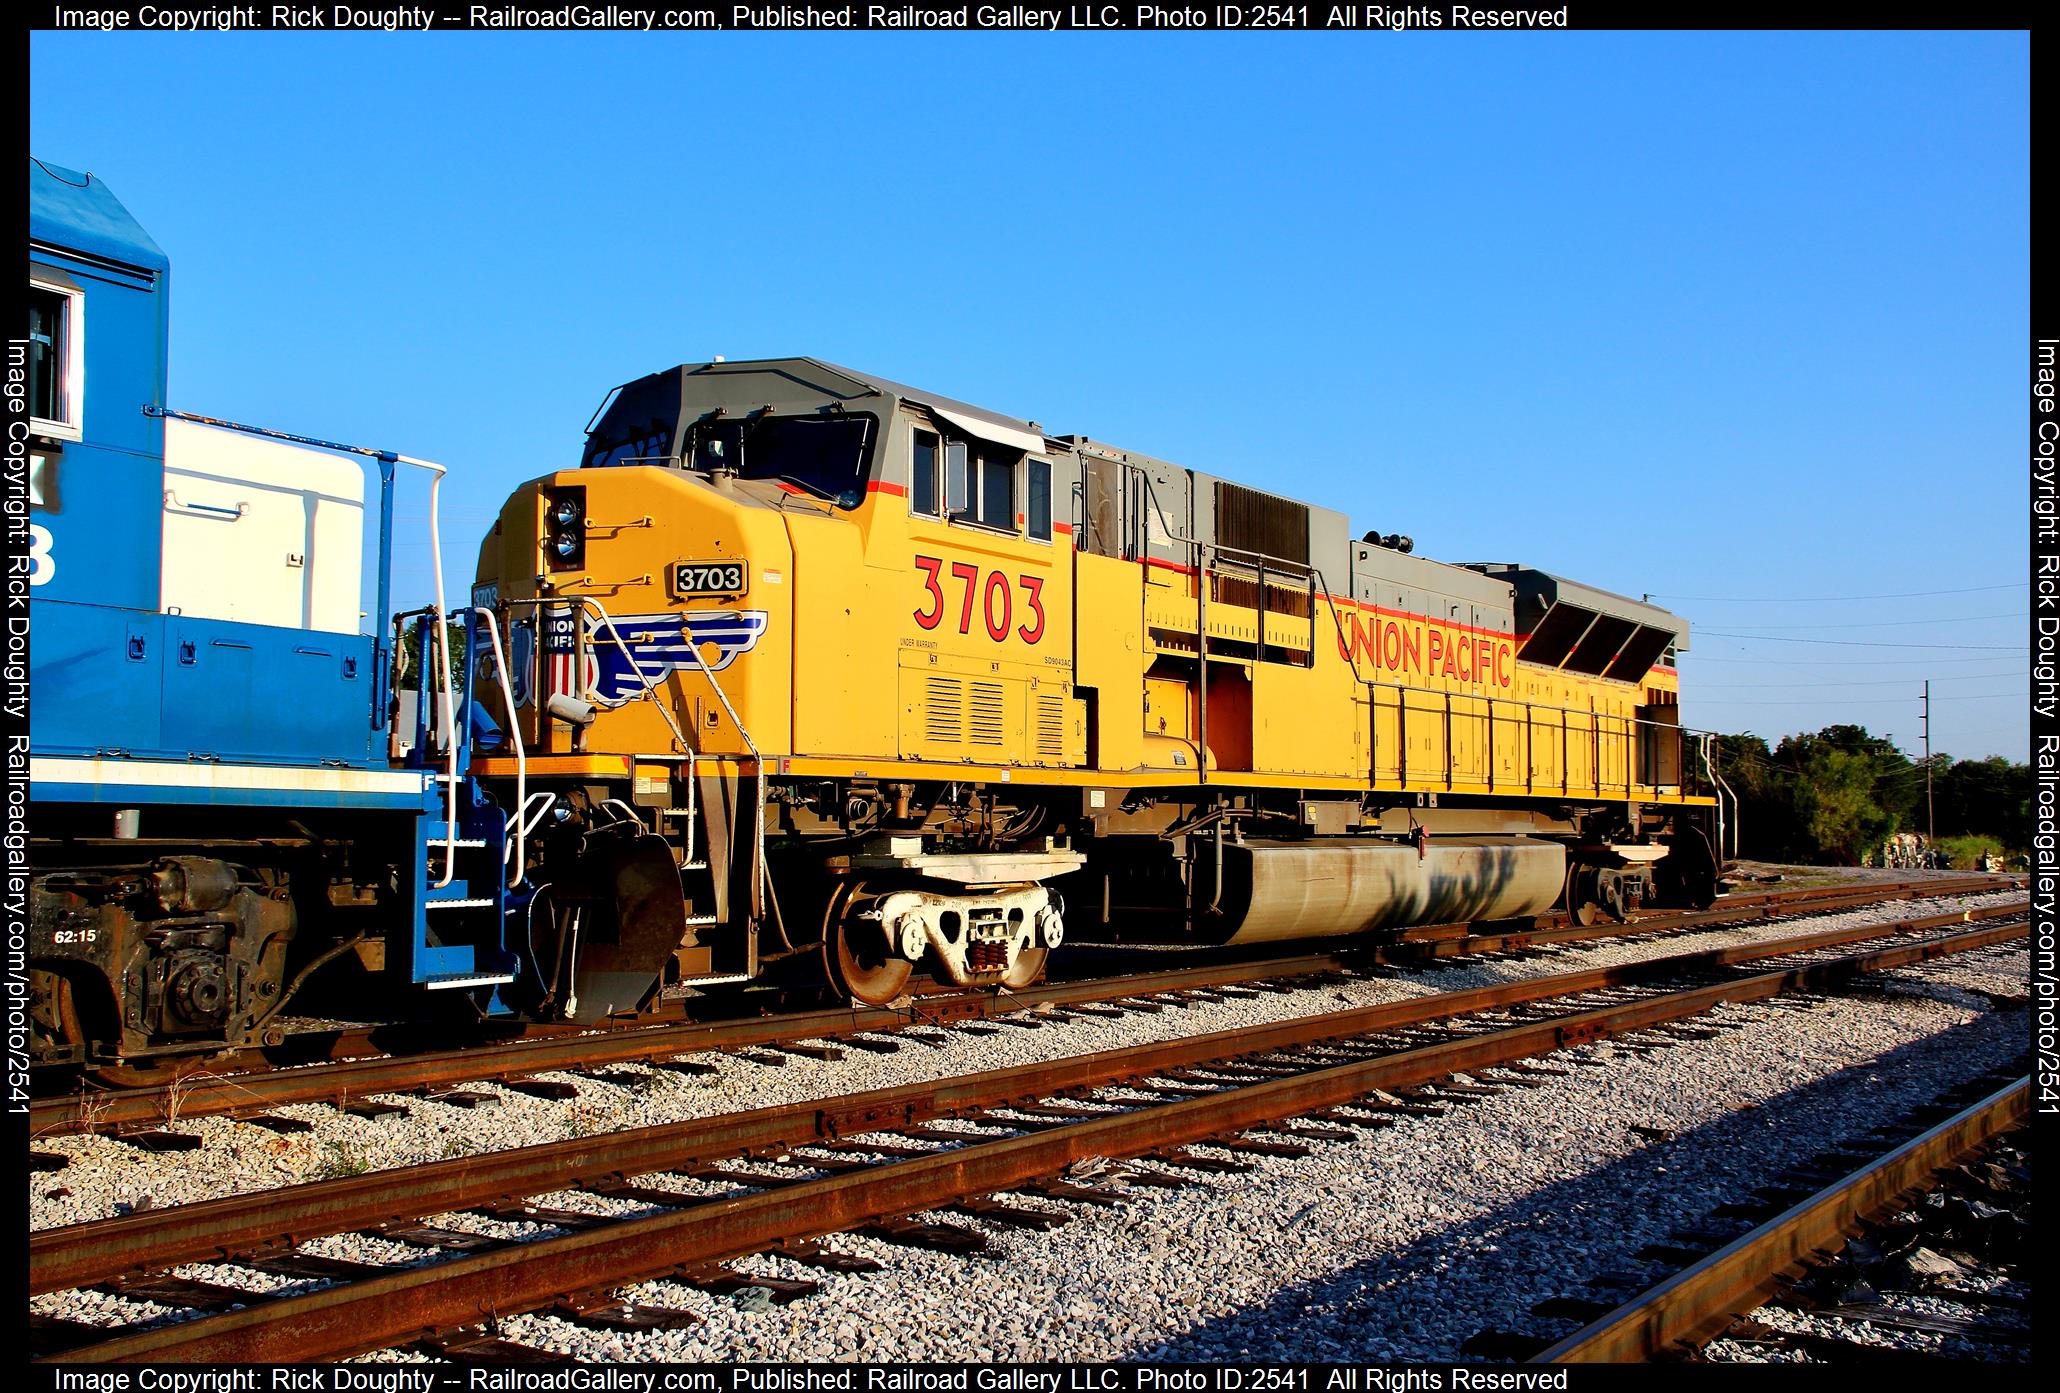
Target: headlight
564, 516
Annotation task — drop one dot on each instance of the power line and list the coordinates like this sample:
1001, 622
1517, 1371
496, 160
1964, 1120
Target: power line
1842, 702
1693, 658
1828, 599
1860, 642
1877, 682
1891, 623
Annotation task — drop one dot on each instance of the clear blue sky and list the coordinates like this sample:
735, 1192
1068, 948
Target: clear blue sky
1709, 316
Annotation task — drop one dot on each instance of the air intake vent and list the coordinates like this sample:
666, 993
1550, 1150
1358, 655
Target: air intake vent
944, 710
1051, 727
1251, 524
985, 727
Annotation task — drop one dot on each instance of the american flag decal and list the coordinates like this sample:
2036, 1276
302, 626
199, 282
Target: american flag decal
560, 645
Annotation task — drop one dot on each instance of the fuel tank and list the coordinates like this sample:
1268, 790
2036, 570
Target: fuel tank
1335, 886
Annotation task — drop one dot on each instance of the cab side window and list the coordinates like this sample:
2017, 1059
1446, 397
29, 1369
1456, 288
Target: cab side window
922, 476
56, 366
1037, 498
994, 487
974, 481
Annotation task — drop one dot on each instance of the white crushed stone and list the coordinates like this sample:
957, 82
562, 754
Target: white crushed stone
1393, 1247
107, 1177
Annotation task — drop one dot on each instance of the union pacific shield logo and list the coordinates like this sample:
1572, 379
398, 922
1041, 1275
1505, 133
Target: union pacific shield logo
661, 644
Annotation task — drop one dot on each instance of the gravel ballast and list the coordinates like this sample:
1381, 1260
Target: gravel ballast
1397, 1246
106, 1176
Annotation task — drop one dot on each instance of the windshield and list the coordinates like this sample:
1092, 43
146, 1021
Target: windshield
823, 456
639, 424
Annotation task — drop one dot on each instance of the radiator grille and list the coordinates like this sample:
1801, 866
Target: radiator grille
1260, 524
985, 725
944, 710
1051, 727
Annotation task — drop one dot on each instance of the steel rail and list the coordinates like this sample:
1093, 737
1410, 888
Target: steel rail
408, 1304
260, 1090
1695, 1305
104, 1250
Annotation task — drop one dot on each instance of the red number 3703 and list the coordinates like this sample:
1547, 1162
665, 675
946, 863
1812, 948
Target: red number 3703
996, 598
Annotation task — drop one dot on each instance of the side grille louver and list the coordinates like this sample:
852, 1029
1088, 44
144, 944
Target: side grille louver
1051, 727
985, 727
945, 710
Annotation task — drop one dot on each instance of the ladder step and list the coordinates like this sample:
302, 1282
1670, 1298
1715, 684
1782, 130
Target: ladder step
696, 921
438, 843
477, 979
693, 865
462, 904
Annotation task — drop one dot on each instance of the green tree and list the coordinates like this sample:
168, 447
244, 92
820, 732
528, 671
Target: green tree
1982, 797
1838, 805
412, 679
1829, 796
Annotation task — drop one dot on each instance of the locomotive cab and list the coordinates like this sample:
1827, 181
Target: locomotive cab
720, 589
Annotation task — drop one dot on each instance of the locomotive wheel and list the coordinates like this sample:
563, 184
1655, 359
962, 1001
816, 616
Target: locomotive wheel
1582, 904
71, 1030
1028, 970
155, 1073
862, 971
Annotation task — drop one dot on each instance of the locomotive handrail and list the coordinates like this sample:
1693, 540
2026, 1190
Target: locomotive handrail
757, 759
646, 690
643, 678
750, 745
521, 868
1608, 731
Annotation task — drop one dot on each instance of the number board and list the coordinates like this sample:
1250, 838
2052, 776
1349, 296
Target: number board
710, 577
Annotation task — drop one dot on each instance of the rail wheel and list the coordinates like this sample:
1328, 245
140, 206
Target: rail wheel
1689, 873
855, 959
1027, 969
151, 1073
1583, 896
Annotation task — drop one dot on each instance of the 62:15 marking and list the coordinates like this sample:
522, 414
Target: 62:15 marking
997, 599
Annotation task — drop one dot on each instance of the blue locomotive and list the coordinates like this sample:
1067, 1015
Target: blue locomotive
221, 804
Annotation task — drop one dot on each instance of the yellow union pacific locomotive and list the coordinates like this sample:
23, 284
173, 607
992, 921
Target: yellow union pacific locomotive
814, 672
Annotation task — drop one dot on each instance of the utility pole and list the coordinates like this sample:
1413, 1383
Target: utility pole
1930, 821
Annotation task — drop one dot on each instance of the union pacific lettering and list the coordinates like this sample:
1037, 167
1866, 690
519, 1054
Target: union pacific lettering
1417, 649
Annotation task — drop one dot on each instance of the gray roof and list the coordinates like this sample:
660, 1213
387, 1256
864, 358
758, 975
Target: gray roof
894, 389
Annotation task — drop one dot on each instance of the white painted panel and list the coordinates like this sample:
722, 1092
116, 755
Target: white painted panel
260, 531
222, 777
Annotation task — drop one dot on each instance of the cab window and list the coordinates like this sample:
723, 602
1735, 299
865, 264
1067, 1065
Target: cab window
1037, 498
922, 476
56, 365
993, 503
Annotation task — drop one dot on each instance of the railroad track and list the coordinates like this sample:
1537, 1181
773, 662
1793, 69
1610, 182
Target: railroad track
1680, 1314
872, 1159
255, 1092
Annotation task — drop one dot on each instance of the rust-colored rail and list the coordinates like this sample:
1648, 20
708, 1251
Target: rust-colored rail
1693, 1306
407, 1304
82, 1254
251, 1091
